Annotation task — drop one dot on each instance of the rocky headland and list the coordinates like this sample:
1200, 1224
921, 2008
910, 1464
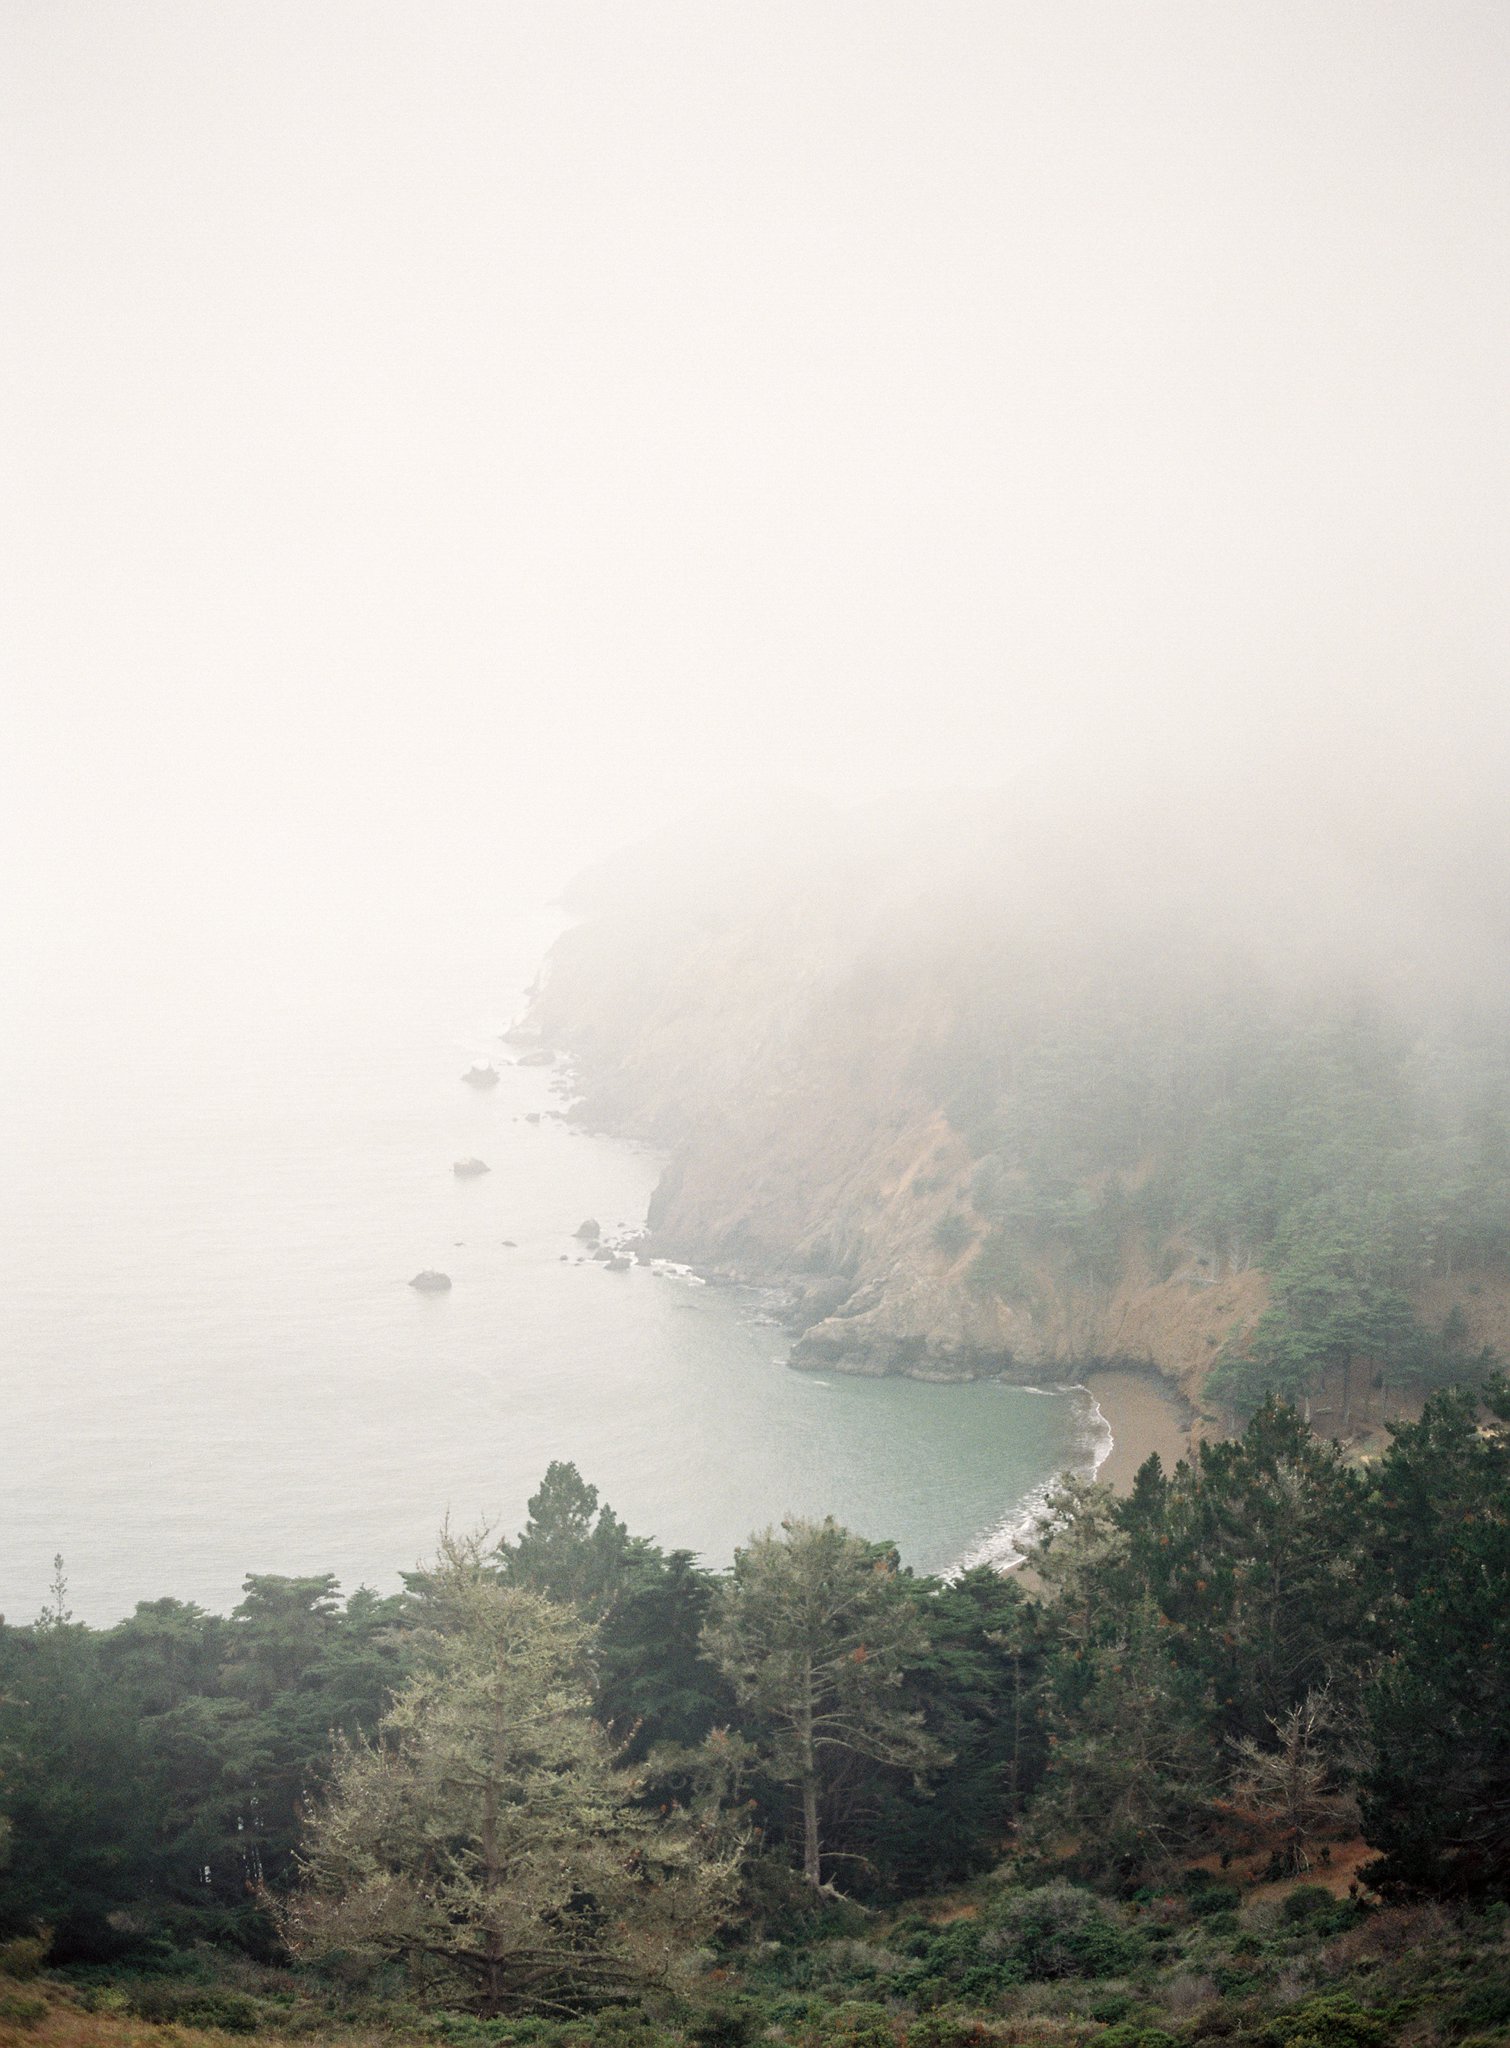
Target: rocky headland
847, 1067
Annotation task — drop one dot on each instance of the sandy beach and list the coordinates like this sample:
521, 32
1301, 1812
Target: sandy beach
1144, 1417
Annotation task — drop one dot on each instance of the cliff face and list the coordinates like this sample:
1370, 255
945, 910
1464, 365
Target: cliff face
778, 1048
927, 1112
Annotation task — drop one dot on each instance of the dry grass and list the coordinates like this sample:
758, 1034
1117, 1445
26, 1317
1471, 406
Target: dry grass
1339, 1871
1335, 1869
40, 2015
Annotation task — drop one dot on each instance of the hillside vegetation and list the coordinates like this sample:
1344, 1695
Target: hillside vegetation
1233, 1764
982, 1107
1229, 1762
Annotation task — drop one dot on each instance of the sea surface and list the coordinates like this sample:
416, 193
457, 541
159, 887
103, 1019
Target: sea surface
220, 1174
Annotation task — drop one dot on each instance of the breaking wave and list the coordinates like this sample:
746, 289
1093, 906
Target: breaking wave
1002, 1547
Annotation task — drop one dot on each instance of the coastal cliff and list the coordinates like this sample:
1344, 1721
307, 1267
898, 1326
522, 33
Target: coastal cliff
964, 1132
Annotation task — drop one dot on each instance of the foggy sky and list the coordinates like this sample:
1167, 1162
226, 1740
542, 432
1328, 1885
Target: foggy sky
445, 436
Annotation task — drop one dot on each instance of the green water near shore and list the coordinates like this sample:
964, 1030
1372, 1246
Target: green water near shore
216, 1365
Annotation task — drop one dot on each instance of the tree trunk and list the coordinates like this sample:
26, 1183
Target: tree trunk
812, 1853
812, 1857
491, 1863
1016, 1780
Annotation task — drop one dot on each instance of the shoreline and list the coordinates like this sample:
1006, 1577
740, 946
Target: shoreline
1134, 1414
1144, 1415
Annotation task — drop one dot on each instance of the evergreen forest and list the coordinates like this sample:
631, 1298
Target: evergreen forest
1135, 1118
1228, 1760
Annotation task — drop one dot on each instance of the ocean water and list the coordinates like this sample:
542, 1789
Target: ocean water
221, 1174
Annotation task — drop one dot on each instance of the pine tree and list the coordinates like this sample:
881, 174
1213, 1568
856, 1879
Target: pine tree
1257, 1554
570, 1549
815, 1630
1437, 1798
488, 1837
1130, 1773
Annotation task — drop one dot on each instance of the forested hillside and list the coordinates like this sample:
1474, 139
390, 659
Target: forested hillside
982, 1101
1200, 1775
1229, 1760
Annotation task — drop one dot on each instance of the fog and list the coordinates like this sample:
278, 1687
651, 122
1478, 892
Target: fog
444, 444
1029, 462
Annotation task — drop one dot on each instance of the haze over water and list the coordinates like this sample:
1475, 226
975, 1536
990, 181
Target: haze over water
220, 1188
444, 446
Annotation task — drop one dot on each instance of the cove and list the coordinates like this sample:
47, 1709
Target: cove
216, 1364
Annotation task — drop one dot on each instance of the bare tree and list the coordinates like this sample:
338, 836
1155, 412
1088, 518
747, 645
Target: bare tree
1293, 1787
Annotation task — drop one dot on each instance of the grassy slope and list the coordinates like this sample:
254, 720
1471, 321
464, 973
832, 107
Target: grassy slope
1270, 1964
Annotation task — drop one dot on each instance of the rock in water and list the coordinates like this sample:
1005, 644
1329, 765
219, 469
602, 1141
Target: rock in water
589, 1231
542, 1056
481, 1077
618, 1264
431, 1282
468, 1169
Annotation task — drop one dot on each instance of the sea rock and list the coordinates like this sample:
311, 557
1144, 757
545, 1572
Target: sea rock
542, 1056
588, 1231
469, 1169
618, 1263
481, 1077
431, 1282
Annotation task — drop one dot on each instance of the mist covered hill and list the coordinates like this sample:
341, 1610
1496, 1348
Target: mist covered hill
1023, 1079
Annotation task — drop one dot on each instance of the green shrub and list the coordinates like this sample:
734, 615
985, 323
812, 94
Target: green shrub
1205, 1895
1059, 1930
1131, 2034
952, 1233
21, 2009
624, 2026
105, 1998
857, 2023
1485, 2009
946, 2027
1215, 2022
1306, 1901
1312, 1910
166, 2003
1233, 1983
792, 2013
1053, 1931
22, 1957
1111, 2007
1333, 2020
962, 1962
723, 2023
